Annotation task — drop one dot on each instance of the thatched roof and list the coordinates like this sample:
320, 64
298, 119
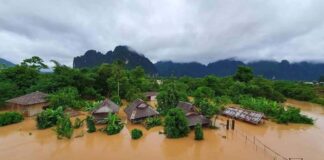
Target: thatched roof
192, 114
30, 99
187, 107
139, 109
107, 106
196, 118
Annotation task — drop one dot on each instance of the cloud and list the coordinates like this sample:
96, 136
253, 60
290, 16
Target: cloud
182, 30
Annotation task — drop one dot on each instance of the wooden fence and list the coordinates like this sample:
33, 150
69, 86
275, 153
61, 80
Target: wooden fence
261, 147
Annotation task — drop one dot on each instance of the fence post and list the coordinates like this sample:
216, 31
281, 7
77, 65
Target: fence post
233, 124
227, 124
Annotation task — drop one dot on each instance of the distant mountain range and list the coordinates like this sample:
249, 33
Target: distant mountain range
6, 63
131, 58
269, 69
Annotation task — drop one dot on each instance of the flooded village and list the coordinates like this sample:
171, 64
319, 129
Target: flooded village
162, 80
288, 140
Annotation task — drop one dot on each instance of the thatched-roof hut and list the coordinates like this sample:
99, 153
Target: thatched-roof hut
139, 110
29, 104
100, 113
192, 114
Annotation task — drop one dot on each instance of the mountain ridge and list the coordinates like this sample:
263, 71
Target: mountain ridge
283, 70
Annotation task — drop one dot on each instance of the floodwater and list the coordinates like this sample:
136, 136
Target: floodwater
24, 141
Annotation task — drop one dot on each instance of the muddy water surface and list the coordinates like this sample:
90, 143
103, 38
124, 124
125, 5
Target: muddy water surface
24, 141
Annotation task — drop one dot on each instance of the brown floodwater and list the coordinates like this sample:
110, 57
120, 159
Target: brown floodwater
24, 141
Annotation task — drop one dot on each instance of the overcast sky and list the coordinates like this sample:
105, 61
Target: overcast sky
178, 30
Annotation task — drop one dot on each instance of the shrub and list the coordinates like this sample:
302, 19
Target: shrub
64, 127
114, 124
90, 105
176, 124
90, 124
152, 122
199, 134
10, 118
48, 117
136, 133
78, 123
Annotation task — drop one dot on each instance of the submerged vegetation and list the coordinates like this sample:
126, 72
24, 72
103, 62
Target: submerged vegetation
136, 133
176, 124
114, 124
64, 127
49, 117
10, 118
90, 124
274, 110
199, 134
152, 122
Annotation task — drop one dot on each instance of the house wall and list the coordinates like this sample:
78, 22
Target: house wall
30, 110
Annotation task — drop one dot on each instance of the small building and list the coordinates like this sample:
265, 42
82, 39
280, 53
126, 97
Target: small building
139, 110
100, 113
151, 96
192, 115
30, 104
244, 115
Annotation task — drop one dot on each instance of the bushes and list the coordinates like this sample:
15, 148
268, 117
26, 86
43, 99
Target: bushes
176, 124
48, 117
136, 133
78, 123
293, 115
199, 134
66, 97
64, 127
90, 124
114, 124
274, 110
152, 122
10, 118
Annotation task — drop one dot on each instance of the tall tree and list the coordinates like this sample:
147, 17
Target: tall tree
34, 62
243, 74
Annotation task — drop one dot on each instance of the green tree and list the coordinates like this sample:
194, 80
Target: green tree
321, 79
206, 108
7, 118
34, 62
199, 134
243, 74
176, 124
204, 92
169, 97
90, 124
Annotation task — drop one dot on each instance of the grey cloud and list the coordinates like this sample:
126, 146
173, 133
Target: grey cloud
182, 30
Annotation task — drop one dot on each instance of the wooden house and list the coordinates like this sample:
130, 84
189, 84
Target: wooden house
192, 115
100, 113
139, 110
30, 104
